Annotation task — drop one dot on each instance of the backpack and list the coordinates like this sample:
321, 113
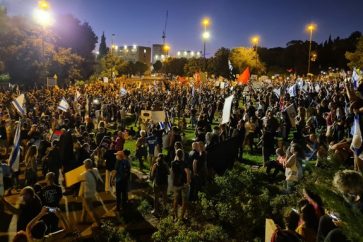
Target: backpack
180, 177
99, 183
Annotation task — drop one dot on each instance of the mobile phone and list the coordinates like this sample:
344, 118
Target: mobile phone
334, 217
51, 210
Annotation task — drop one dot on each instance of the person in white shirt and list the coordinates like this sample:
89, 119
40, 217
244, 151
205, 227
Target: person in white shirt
293, 169
88, 191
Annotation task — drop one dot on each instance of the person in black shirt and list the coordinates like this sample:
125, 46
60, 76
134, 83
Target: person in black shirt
28, 209
50, 195
110, 159
159, 174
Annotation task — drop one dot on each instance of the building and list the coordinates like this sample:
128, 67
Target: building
158, 53
189, 54
135, 53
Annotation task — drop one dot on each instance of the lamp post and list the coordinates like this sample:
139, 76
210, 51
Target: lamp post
255, 40
310, 28
206, 34
44, 18
166, 48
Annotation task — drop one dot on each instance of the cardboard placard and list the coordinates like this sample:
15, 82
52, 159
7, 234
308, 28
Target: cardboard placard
155, 116
226, 115
72, 177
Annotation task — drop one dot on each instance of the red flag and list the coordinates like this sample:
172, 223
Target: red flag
182, 80
244, 78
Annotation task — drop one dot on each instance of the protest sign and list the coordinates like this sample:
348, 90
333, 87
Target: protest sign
72, 177
226, 115
155, 116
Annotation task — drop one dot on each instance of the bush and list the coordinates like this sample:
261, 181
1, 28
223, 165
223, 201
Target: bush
111, 232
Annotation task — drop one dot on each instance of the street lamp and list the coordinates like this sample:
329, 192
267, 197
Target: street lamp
44, 18
255, 40
206, 35
310, 28
166, 49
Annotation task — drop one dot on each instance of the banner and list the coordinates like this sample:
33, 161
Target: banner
155, 116
72, 177
270, 228
226, 115
291, 112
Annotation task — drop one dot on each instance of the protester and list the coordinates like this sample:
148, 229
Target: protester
88, 191
29, 207
123, 172
159, 176
181, 177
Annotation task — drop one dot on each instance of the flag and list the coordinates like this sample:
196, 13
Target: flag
292, 91
63, 105
182, 80
244, 78
357, 137
355, 78
123, 92
230, 67
19, 104
193, 91
277, 92
15, 152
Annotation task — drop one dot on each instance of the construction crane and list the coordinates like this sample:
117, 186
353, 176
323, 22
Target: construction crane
166, 23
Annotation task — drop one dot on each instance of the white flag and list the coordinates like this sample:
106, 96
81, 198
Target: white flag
123, 91
19, 104
63, 105
15, 152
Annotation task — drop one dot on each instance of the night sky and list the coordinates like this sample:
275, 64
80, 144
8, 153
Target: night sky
233, 21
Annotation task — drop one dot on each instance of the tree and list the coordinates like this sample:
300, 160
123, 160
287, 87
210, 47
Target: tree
78, 36
356, 58
174, 66
157, 66
194, 65
66, 65
219, 63
246, 57
140, 68
110, 65
103, 47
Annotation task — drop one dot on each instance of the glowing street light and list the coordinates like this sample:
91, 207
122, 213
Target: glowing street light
255, 40
42, 15
206, 23
310, 28
205, 35
166, 48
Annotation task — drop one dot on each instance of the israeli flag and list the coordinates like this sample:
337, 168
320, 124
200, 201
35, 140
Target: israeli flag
19, 104
277, 92
292, 91
230, 67
15, 152
355, 78
123, 92
63, 105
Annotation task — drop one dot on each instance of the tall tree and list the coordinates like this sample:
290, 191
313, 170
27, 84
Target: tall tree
219, 63
356, 58
242, 57
78, 36
157, 66
103, 47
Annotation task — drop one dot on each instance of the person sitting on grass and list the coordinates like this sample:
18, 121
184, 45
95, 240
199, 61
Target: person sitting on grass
278, 165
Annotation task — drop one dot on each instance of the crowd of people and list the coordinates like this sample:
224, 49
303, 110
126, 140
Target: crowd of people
294, 123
